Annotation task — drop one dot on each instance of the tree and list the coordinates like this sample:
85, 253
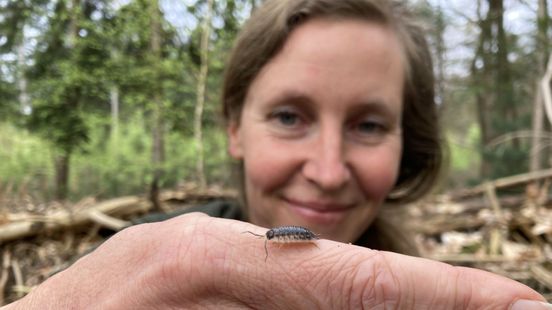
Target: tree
499, 106
201, 85
65, 81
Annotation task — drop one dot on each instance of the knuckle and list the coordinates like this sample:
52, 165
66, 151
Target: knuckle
374, 284
463, 288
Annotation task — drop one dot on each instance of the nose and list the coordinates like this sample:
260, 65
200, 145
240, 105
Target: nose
326, 163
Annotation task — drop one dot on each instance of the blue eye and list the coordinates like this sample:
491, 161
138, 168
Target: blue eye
370, 127
286, 118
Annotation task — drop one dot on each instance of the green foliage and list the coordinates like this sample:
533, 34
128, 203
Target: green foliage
25, 162
463, 152
108, 166
123, 165
8, 99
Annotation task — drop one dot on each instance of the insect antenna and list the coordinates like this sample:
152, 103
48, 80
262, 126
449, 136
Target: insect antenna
254, 234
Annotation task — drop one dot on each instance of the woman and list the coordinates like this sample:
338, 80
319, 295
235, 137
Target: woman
330, 112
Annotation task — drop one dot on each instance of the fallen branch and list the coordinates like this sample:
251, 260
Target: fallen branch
24, 225
107, 221
502, 183
65, 218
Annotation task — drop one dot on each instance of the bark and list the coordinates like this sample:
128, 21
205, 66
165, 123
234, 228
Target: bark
535, 160
496, 105
62, 175
114, 102
201, 85
24, 99
481, 71
440, 50
158, 146
63, 160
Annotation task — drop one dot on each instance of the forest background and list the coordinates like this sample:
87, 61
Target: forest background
107, 98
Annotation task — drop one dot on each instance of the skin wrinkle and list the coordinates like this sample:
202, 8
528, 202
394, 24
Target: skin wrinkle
396, 283
357, 264
234, 263
312, 283
444, 282
143, 259
183, 251
297, 286
381, 277
325, 273
261, 282
197, 236
458, 277
245, 265
345, 272
411, 291
160, 258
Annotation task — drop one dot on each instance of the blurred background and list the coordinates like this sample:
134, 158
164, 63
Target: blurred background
108, 98
103, 99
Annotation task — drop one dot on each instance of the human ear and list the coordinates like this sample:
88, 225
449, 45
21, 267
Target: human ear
235, 148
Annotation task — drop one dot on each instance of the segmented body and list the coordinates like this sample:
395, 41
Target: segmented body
285, 234
290, 234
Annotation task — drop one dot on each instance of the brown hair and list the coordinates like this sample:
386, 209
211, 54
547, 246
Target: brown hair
269, 27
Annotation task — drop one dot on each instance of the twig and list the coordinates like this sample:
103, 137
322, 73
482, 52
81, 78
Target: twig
6, 259
521, 134
18, 277
105, 220
497, 236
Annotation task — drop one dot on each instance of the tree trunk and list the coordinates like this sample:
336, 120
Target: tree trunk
481, 72
62, 161
158, 145
535, 160
114, 102
440, 50
201, 85
24, 102
62, 175
503, 73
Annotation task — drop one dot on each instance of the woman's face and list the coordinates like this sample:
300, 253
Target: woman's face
320, 130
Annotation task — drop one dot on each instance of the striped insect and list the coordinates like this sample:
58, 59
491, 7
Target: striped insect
286, 234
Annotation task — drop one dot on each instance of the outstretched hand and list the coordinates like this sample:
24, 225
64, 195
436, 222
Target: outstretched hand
197, 261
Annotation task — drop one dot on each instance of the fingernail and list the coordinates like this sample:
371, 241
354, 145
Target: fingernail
530, 305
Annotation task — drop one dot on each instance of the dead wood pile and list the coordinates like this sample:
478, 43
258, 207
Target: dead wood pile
36, 241
504, 226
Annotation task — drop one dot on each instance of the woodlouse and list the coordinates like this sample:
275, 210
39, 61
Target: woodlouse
285, 234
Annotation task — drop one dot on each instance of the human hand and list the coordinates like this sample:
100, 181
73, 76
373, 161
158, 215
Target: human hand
195, 261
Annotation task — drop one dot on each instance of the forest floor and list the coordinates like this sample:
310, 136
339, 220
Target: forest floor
504, 226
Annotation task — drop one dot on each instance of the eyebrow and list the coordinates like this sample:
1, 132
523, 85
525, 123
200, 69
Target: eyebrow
376, 106
291, 96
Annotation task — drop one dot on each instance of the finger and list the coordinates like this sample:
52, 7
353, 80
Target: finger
336, 275
428, 284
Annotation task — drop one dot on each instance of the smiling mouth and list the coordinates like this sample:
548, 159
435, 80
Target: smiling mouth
324, 213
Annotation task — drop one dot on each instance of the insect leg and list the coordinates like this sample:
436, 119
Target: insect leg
266, 250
